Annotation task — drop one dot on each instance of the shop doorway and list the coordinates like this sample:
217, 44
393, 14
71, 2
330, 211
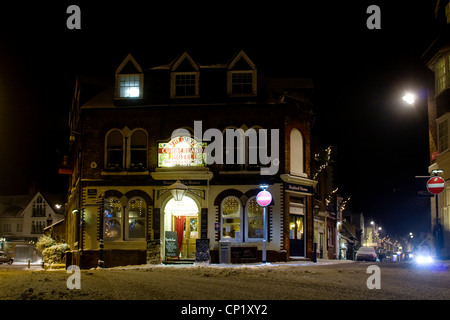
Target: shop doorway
181, 224
297, 235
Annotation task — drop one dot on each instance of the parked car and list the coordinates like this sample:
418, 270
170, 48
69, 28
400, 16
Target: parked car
5, 259
366, 254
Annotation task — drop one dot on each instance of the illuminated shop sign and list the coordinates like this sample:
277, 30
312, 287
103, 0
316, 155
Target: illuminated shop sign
181, 152
298, 188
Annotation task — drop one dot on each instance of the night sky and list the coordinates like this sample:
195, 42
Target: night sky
359, 74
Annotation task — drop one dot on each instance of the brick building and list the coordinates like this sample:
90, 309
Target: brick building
437, 58
125, 156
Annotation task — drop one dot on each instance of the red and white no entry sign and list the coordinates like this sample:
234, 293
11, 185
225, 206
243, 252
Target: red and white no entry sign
436, 185
264, 198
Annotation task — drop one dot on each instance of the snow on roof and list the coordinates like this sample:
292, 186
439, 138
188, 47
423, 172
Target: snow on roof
12, 206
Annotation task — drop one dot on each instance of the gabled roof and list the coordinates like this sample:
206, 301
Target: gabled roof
13, 206
174, 64
178, 61
241, 55
129, 59
12, 211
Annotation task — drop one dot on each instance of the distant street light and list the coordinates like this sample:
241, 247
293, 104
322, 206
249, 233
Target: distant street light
409, 98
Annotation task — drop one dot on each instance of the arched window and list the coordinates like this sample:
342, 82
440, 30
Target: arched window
255, 219
113, 219
114, 150
136, 216
231, 212
138, 150
256, 145
297, 153
233, 149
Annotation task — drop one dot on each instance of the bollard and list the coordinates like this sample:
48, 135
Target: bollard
315, 253
29, 263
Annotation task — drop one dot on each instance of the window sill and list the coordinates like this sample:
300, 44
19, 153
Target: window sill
247, 172
255, 240
443, 152
125, 173
231, 240
123, 241
128, 98
242, 95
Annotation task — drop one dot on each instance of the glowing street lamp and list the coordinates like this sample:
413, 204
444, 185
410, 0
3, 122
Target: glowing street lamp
178, 190
264, 198
409, 98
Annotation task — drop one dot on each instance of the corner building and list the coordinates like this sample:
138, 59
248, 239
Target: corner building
124, 158
437, 58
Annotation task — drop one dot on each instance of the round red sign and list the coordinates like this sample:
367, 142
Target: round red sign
436, 185
264, 198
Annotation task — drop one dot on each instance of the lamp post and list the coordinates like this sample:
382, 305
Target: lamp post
437, 232
316, 213
264, 198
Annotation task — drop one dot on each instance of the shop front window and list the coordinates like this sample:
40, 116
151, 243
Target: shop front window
231, 218
136, 218
113, 219
255, 218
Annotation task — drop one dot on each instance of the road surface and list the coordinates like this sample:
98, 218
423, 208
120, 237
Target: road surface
290, 281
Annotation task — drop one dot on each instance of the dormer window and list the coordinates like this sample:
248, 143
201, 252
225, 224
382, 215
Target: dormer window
241, 76
241, 82
129, 79
129, 86
184, 78
186, 84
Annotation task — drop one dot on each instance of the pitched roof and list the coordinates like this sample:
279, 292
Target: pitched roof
13, 206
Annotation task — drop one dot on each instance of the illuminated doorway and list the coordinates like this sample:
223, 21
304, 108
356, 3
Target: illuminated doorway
297, 227
181, 221
296, 235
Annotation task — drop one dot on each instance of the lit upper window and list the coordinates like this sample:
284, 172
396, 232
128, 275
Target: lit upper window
129, 79
129, 86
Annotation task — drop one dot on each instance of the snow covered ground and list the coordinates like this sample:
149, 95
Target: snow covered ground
326, 279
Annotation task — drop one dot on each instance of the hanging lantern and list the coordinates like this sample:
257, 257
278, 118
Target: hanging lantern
178, 190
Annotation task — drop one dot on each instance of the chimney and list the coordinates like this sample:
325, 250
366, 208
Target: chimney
32, 189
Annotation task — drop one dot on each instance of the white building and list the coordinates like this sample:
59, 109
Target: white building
23, 219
